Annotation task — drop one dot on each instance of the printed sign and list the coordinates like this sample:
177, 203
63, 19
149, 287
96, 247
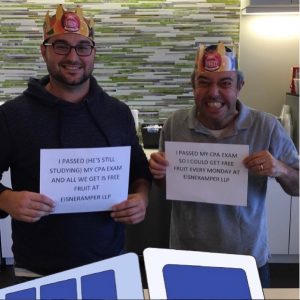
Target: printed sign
85, 180
204, 172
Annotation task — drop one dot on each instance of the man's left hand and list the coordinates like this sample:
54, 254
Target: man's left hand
130, 211
263, 163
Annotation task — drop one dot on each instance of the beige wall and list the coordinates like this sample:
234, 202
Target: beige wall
269, 47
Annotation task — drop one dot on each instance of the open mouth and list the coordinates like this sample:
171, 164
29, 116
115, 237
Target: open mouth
215, 105
71, 67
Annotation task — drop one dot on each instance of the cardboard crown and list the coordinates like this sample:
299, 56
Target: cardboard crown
68, 22
215, 58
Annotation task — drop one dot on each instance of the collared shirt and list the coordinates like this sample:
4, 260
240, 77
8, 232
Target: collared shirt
225, 228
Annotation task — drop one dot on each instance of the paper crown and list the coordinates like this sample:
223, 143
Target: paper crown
215, 58
68, 22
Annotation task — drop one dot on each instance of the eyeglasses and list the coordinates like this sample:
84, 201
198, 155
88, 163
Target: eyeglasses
62, 48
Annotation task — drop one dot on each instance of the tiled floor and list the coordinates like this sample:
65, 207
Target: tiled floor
282, 276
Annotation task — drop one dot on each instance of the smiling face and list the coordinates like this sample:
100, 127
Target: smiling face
215, 95
68, 70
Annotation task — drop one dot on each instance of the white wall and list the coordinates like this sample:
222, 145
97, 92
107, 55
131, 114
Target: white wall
269, 47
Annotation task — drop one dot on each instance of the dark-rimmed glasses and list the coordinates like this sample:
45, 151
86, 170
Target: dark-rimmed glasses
62, 48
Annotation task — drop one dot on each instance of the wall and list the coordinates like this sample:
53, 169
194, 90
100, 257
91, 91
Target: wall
145, 48
269, 47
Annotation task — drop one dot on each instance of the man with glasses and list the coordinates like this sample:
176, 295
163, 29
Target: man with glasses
65, 109
62, 48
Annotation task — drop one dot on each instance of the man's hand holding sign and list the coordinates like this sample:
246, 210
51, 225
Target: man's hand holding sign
85, 180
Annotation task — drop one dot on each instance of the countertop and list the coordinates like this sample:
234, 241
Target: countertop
281, 293
269, 294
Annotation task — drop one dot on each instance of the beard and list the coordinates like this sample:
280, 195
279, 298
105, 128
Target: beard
69, 81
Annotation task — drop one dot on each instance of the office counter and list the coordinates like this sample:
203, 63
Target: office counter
281, 293
269, 294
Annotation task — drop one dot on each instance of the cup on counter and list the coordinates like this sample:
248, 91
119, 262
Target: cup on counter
296, 85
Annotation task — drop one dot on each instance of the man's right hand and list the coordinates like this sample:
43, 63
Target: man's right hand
158, 165
26, 206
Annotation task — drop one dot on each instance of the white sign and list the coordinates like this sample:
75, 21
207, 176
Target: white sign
204, 172
85, 180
